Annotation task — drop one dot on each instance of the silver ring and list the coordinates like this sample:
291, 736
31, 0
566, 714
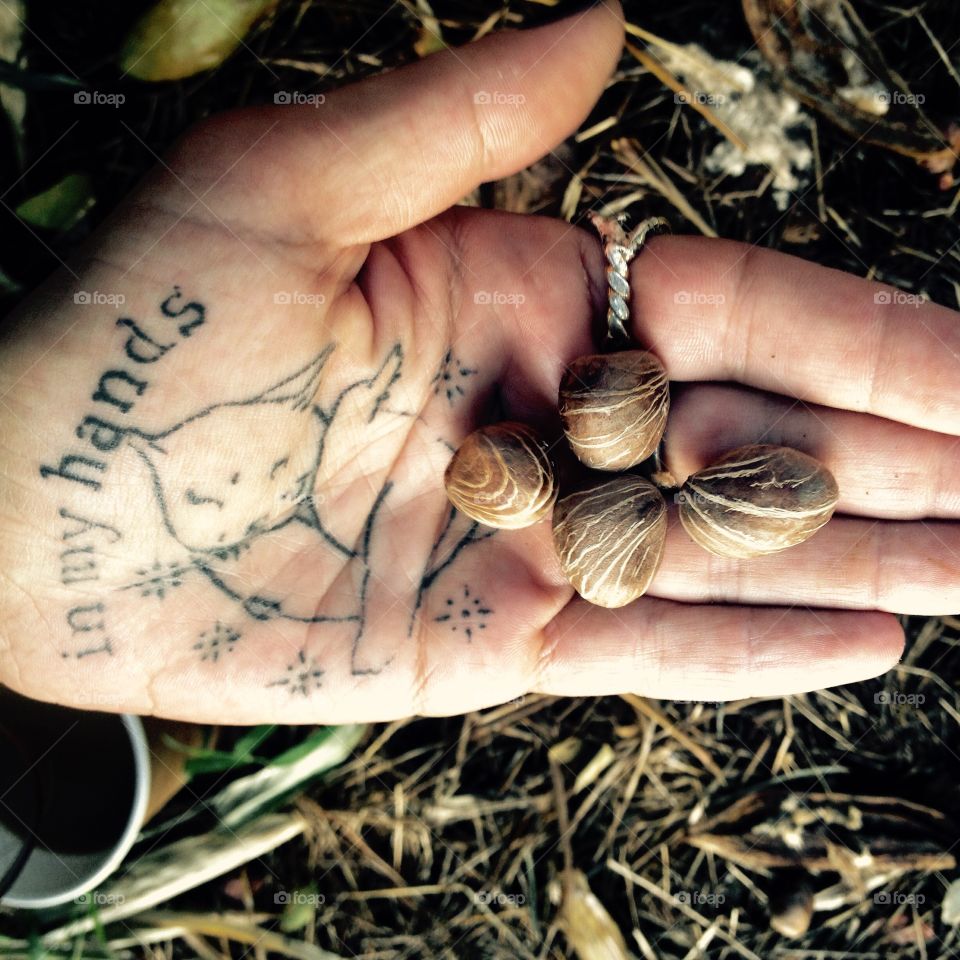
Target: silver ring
619, 248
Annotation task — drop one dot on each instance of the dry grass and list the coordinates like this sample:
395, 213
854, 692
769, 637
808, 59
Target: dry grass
456, 838
481, 836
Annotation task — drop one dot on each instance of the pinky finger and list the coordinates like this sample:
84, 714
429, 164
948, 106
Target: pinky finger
660, 648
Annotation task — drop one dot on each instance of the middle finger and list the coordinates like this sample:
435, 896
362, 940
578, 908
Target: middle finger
883, 468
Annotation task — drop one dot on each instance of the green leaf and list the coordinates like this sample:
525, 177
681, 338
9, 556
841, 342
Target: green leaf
300, 911
178, 38
252, 739
308, 745
61, 206
215, 761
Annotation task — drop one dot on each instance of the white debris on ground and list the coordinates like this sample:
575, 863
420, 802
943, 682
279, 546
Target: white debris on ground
772, 124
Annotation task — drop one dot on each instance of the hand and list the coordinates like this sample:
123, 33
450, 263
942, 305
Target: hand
222, 497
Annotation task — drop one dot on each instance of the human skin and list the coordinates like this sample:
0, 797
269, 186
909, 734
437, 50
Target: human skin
253, 526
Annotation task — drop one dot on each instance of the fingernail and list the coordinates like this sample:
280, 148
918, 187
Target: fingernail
561, 11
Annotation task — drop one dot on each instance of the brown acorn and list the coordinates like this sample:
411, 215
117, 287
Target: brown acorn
609, 539
756, 500
614, 407
502, 476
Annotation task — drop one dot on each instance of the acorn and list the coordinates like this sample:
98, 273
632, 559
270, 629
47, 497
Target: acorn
756, 500
502, 476
614, 408
609, 539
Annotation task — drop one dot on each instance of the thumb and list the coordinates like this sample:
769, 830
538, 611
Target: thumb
385, 154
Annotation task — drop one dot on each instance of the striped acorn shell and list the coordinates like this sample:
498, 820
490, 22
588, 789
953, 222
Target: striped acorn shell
502, 476
609, 539
614, 407
756, 500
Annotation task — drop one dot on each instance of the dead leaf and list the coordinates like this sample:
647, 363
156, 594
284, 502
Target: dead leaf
589, 928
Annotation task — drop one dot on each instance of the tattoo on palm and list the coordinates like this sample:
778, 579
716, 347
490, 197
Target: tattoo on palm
217, 499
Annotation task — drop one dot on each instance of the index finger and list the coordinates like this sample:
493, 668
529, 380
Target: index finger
719, 310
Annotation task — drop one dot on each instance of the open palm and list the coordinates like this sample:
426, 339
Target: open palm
225, 433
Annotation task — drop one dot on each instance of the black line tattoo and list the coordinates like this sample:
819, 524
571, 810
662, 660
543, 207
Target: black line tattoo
86, 541
216, 498
215, 523
117, 393
435, 565
450, 377
466, 614
365, 543
88, 619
